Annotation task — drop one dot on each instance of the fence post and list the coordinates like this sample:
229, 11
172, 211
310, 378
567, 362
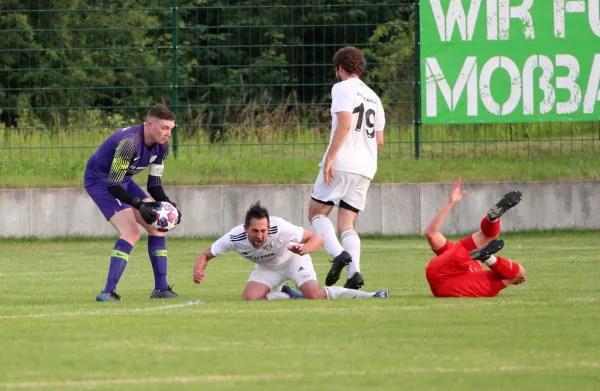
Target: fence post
174, 82
417, 87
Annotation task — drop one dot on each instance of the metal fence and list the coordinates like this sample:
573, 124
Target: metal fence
242, 76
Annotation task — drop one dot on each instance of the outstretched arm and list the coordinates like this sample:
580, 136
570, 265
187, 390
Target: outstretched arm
219, 247
432, 232
200, 265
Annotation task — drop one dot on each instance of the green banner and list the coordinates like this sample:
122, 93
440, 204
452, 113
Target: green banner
498, 61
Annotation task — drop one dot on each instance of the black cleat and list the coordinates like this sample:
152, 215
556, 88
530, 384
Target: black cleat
482, 254
355, 282
337, 266
164, 294
108, 296
509, 200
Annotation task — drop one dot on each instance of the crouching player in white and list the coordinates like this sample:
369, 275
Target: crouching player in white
280, 251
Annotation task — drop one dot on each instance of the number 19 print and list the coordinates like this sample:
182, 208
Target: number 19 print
369, 120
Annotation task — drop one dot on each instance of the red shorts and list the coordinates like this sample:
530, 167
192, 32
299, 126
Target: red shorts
454, 274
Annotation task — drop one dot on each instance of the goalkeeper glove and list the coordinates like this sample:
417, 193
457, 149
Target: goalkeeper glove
146, 209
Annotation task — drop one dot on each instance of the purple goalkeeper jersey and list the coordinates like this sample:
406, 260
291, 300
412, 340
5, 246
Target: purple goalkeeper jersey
123, 155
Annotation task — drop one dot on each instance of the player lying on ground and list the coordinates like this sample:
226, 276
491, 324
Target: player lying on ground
108, 181
456, 271
280, 251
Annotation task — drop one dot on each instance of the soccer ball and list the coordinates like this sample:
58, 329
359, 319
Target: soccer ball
167, 217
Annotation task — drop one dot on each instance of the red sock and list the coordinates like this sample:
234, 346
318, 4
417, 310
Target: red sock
489, 229
505, 268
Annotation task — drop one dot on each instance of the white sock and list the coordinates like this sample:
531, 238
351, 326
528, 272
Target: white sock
490, 261
351, 243
337, 292
323, 227
277, 296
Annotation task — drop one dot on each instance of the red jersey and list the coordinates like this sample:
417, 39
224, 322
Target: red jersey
454, 274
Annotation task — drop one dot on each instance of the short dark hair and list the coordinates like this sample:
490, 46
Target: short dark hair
351, 59
161, 111
256, 211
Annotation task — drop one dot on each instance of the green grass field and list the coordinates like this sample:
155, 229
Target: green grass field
542, 335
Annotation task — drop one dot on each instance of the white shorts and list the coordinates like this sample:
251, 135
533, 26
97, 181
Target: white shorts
346, 186
299, 269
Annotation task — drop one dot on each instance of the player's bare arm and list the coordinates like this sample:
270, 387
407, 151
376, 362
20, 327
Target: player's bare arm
432, 232
340, 135
310, 242
200, 265
379, 138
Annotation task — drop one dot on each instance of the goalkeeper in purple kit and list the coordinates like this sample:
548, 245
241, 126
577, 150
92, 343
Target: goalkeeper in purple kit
108, 180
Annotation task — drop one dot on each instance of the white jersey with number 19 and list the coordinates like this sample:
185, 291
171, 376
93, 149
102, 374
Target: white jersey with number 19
358, 154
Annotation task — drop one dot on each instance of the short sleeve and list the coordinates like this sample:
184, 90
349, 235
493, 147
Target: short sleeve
341, 99
380, 117
221, 246
290, 232
163, 154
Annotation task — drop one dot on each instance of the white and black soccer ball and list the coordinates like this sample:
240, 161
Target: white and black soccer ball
166, 217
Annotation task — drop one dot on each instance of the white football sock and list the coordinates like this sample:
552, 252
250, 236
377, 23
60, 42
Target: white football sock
490, 261
337, 292
277, 296
323, 227
351, 243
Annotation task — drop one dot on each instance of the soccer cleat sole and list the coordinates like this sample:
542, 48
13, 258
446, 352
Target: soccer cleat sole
481, 254
509, 200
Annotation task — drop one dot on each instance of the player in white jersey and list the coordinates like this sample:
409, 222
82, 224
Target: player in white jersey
348, 166
280, 251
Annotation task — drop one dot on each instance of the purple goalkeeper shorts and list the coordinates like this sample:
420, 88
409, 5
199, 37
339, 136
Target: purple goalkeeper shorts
108, 204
